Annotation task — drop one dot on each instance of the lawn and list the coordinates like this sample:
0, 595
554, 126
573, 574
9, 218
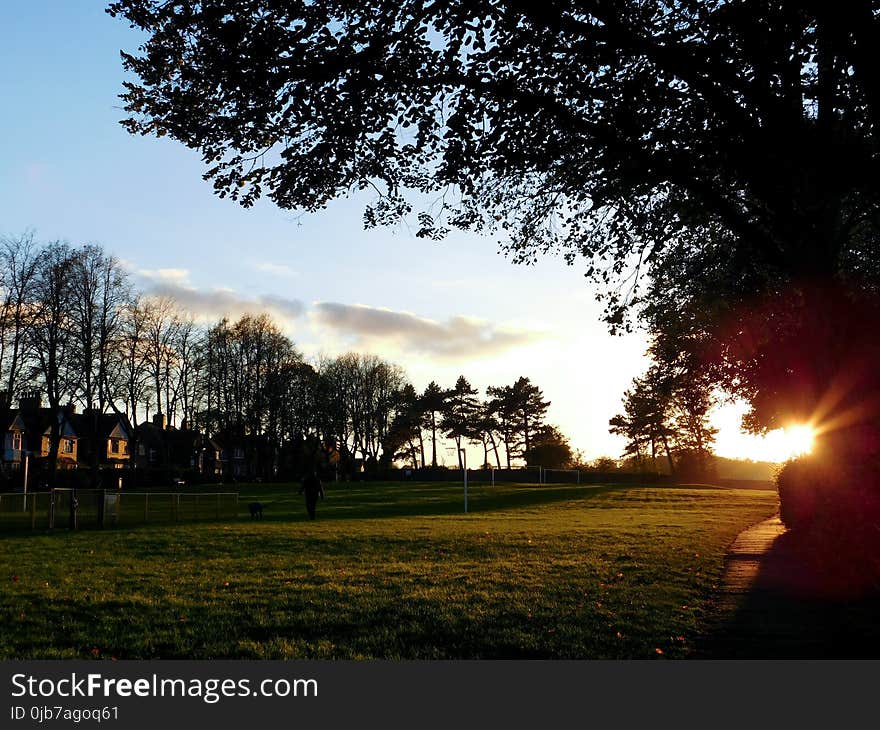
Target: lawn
387, 571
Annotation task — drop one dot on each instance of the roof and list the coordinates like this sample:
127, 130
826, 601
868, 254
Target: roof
10, 419
110, 425
39, 421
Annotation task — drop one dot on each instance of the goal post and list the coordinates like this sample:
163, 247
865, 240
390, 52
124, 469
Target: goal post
561, 476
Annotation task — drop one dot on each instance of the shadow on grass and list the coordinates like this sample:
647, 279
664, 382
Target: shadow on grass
808, 601
372, 501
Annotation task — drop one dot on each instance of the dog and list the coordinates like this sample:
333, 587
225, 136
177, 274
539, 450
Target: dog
256, 509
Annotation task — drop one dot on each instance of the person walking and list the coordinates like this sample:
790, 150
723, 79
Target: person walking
313, 489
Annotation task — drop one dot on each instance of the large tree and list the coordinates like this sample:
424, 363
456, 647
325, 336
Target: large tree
728, 149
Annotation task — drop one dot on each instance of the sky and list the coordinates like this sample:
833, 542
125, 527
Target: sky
69, 171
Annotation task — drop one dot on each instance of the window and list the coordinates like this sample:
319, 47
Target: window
114, 446
153, 454
142, 450
125, 447
16, 440
67, 446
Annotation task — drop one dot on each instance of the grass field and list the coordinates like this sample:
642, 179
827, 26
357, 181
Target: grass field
387, 571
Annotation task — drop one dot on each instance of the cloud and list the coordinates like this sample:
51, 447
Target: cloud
178, 276
208, 304
273, 269
360, 325
456, 337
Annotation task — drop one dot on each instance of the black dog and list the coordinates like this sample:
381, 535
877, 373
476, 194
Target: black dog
256, 509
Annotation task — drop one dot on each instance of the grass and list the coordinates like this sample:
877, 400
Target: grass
387, 571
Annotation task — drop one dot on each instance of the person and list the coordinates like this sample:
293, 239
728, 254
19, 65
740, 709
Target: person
313, 489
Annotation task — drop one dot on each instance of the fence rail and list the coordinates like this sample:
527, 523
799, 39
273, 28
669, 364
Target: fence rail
95, 508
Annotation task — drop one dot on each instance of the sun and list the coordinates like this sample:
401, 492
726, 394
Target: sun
796, 440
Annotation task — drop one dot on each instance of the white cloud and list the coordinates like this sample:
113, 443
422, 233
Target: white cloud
459, 336
178, 276
208, 304
273, 269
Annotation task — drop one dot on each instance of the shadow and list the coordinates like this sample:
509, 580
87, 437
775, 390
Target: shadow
807, 601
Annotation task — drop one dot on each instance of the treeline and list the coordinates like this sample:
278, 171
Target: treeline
74, 327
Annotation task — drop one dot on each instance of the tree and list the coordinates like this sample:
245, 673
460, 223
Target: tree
19, 259
669, 410
404, 439
714, 159
645, 420
550, 449
531, 409
502, 406
98, 291
604, 464
520, 410
128, 376
484, 431
50, 335
161, 325
458, 413
431, 403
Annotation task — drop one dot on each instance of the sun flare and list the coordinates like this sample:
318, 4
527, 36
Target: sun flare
797, 440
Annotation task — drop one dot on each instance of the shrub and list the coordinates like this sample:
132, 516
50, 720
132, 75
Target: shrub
832, 510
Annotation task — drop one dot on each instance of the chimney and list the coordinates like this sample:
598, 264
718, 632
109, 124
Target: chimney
31, 400
159, 421
69, 409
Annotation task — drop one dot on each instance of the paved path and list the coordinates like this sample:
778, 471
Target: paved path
743, 561
774, 604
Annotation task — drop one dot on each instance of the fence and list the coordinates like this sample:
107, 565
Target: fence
526, 475
104, 508
24, 511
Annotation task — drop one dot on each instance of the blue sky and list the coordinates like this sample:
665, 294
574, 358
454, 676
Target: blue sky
70, 171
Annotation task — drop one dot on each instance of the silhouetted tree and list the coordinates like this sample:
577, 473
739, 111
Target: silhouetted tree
713, 159
432, 402
19, 259
161, 323
550, 449
50, 335
484, 430
459, 411
520, 410
669, 411
98, 292
503, 405
404, 439
645, 422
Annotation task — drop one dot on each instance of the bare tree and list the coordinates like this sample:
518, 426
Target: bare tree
98, 290
18, 259
161, 326
49, 333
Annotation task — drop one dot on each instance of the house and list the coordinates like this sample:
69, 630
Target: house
214, 459
13, 433
228, 460
230, 455
103, 438
37, 432
160, 446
